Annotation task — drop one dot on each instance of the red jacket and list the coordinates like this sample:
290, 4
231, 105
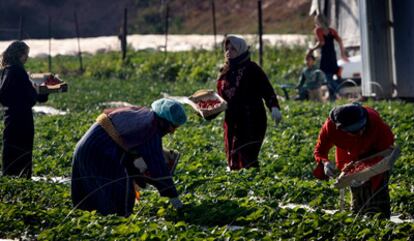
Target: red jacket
376, 137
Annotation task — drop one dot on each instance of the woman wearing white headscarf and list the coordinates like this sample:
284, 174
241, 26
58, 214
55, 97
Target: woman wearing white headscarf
244, 85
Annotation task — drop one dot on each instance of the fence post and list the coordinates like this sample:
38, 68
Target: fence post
259, 7
78, 37
213, 11
49, 30
167, 16
123, 35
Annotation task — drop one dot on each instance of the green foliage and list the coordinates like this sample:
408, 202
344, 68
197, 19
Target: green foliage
219, 205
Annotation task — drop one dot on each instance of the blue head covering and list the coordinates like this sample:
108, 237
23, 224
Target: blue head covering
170, 110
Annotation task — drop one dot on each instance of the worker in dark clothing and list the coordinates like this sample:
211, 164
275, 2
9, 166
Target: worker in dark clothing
325, 41
18, 95
244, 85
104, 170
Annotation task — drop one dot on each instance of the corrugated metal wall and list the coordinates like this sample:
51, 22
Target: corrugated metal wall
403, 14
377, 77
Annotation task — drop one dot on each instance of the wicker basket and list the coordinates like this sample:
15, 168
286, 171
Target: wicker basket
47, 89
382, 166
205, 95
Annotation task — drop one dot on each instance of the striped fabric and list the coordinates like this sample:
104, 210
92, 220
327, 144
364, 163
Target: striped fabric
106, 123
103, 173
151, 151
99, 180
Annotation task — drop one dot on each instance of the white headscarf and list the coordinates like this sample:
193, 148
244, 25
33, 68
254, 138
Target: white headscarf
238, 43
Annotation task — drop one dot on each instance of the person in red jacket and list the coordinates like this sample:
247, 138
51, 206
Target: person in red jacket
357, 132
244, 85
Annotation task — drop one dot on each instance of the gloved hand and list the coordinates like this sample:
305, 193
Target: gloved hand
176, 203
276, 115
140, 164
329, 169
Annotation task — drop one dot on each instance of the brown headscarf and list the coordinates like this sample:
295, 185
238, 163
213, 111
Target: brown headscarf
13, 53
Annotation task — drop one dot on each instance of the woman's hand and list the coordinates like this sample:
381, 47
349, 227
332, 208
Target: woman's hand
329, 169
309, 52
345, 58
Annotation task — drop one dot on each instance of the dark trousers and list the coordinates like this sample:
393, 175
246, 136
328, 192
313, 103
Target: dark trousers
243, 138
18, 137
332, 85
366, 200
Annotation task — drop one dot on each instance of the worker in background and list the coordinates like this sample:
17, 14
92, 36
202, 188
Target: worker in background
244, 85
310, 81
103, 169
325, 37
357, 132
18, 95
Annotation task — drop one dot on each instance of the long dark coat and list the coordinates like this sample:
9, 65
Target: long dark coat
244, 86
18, 95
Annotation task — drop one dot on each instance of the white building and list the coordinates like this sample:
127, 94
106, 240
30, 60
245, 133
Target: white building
383, 30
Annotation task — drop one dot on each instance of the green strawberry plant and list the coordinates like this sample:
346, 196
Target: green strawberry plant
219, 205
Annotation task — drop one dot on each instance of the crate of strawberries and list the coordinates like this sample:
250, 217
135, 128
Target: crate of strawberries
208, 103
361, 171
46, 83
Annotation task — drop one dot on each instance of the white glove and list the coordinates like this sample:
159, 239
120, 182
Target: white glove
276, 115
140, 164
329, 169
176, 203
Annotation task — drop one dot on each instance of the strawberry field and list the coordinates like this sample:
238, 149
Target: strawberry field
219, 205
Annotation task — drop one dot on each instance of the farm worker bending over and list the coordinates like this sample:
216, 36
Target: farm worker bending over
103, 170
18, 95
357, 132
310, 81
244, 85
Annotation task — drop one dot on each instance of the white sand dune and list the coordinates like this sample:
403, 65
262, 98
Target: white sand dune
40, 47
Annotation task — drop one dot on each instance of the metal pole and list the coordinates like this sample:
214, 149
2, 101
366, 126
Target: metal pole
49, 28
167, 13
21, 28
78, 37
342, 199
213, 10
259, 7
124, 35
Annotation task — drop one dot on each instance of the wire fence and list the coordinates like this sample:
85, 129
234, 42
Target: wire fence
167, 14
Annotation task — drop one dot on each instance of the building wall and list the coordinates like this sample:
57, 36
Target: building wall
403, 25
344, 15
377, 75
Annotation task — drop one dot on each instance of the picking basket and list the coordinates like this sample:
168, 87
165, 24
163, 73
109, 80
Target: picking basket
345, 178
208, 103
42, 86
